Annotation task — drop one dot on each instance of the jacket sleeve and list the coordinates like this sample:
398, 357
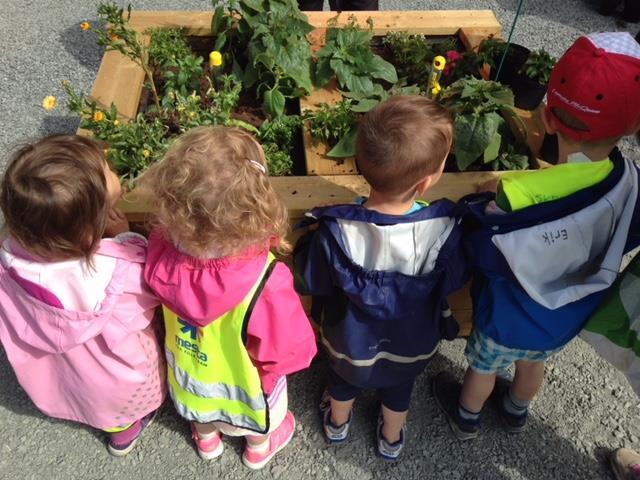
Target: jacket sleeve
280, 339
312, 264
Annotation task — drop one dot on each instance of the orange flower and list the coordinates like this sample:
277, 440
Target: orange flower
98, 116
85, 26
114, 38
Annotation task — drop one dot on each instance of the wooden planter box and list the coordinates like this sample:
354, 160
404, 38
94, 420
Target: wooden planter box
120, 81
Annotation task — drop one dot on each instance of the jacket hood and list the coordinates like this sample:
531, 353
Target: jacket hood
577, 251
200, 290
37, 321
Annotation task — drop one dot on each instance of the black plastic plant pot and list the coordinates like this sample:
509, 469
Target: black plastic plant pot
528, 93
516, 57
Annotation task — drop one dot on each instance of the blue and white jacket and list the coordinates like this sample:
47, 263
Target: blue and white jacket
539, 273
380, 284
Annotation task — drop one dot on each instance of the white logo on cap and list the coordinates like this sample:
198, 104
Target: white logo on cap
573, 103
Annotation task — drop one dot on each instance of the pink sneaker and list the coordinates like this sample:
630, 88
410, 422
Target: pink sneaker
208, 448
121, 443
279, 438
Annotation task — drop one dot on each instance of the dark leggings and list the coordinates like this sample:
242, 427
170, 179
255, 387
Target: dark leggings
342, 5
395, 397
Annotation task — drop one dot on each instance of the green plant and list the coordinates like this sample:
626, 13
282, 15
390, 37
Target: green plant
132, 146
539, 66
339, 122
167, 44
331, 122
348, 54
267, 44
119, 36
479, 127
277, 138
489, 49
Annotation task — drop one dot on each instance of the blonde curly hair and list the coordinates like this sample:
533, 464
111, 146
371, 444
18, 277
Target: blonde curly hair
212, 198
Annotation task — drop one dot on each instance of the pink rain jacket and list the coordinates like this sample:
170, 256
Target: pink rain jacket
104, 368
279, 337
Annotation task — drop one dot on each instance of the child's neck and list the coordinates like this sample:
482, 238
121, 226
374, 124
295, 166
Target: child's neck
390, 204
595, 152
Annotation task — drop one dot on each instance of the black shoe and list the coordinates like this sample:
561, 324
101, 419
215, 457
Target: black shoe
446, 390
512, 423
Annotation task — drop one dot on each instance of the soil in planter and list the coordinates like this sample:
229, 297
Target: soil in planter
249, 107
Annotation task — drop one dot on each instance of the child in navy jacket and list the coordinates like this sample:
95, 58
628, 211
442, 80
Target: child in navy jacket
380, 269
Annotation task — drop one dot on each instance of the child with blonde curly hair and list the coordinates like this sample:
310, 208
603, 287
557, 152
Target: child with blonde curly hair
235, 326
77, 320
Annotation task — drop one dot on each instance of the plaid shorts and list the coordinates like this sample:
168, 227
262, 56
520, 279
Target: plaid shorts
486, 356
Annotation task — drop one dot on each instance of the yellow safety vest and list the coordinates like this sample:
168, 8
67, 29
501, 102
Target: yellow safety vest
211, 376
518, 190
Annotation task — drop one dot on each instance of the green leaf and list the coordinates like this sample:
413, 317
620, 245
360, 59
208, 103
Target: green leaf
273, 102
492, 151
217, 21
364, 105
384, 70
472, 135
252, 4
346, 147
323, 73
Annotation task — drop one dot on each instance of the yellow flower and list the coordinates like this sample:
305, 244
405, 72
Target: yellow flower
116, 122
85, 26
98, 116
146, 153
49, 102
192, 114
215, 58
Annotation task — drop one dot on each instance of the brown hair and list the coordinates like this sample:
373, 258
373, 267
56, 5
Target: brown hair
54, 197
210, 196
401, 141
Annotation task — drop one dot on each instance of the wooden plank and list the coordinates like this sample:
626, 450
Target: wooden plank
301, 194
195, 23
427, 22
119, 81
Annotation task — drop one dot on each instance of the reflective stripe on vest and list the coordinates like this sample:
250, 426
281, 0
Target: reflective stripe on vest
211, 376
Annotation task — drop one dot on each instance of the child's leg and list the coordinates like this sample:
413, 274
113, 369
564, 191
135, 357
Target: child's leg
527, 380
476, 388
391, 426
395, 407
122, 440
208, 440
261, 448
342, 395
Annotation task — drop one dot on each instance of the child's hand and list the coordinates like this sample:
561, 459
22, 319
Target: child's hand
117, 223
489, 185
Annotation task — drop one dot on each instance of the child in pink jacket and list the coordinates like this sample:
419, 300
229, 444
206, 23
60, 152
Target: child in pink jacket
76, 317
235, 326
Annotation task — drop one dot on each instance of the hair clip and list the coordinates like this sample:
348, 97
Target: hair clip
259, 166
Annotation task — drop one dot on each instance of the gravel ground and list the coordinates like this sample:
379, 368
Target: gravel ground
584, 409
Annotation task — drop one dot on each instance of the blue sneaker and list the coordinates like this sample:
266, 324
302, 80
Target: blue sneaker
389, 451
333, 434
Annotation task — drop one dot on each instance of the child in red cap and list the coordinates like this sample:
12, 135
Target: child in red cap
548, 245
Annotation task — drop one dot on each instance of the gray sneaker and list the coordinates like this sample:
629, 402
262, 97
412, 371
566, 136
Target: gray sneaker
333, 434
389, 451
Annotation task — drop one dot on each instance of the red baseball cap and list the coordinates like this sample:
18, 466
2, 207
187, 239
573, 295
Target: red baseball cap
597, 81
